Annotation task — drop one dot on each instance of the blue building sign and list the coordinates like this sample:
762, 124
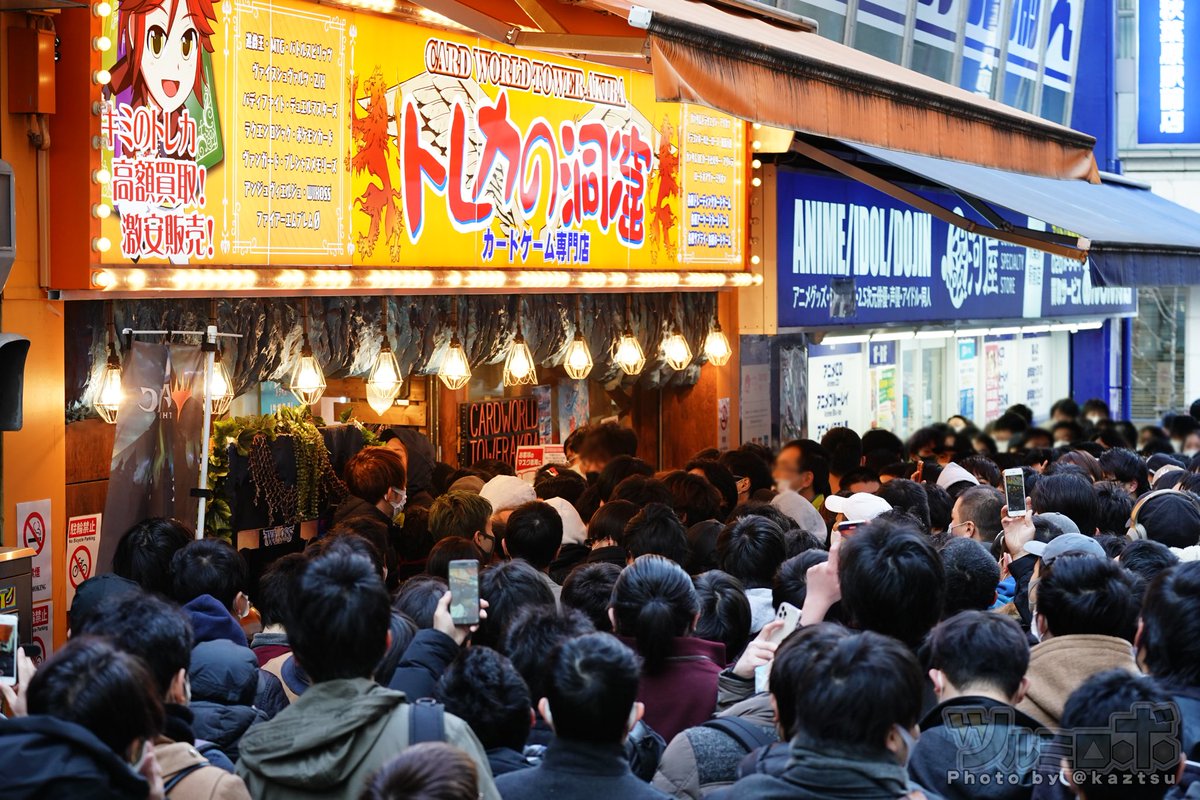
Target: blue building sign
851, 255
1168, 99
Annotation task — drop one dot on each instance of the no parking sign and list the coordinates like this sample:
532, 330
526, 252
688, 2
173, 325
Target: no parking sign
83, 538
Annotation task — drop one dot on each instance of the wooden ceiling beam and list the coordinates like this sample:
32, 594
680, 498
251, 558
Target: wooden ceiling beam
579, 43
540, 16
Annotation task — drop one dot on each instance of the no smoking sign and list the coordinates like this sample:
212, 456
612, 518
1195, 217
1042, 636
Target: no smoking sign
33, 532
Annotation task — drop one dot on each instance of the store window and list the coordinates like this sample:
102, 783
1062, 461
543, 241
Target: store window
934, 36
879, 30
830, 15
981, 46
1158, 352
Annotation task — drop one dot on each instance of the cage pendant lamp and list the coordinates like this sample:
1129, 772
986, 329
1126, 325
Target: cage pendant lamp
627, 350
519, 369
578, 360
383, 381
455, 370
716, 345
308, 379
221, 395
675, 348
109, 394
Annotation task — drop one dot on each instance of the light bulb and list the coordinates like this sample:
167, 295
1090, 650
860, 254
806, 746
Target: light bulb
102, 43
101, 244
379, 400
102, 9
756, 164
102, 77
308, 380
756, 181
221, 394
101, 176
455, 371
101, 211
109, 394
518, 365
383, 382
676, 351
716, 347
628, 355
578, 362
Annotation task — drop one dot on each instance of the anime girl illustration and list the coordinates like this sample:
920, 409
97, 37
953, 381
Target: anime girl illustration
161, 63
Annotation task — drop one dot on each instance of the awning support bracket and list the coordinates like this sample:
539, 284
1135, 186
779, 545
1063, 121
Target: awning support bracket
1073, 248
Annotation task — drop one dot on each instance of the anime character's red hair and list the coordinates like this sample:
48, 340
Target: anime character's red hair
131, 32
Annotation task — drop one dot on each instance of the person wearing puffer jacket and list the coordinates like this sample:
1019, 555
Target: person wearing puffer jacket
224, 680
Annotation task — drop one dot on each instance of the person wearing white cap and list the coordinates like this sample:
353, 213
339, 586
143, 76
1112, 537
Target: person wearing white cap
506, 492
860, 507
954, 474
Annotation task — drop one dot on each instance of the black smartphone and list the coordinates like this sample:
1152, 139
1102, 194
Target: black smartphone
464, 591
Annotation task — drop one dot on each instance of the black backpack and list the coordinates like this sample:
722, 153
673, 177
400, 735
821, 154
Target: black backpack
426, 721
747, 734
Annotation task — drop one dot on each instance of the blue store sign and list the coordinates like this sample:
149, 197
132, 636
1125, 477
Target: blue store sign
1168, 75
851, 255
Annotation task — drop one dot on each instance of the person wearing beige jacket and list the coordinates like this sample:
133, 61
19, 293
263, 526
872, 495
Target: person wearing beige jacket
1085, 611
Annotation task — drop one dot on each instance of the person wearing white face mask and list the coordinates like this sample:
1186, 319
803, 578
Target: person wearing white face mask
858, 698
377, 481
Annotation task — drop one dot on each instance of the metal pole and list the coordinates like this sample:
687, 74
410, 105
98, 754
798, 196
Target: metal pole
210, 342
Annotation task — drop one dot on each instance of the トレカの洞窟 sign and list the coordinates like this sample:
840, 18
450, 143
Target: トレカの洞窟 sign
278, 133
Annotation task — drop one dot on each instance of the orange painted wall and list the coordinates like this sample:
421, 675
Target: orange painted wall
34, 461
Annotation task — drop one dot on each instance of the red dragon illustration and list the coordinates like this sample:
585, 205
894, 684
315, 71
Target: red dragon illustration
662, 216
379, 201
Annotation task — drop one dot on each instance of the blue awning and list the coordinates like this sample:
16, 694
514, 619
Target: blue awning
1137, 238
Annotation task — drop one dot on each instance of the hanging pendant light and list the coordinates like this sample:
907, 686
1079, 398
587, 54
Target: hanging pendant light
383, 381
308, 379
221, 395
578, 359
675, 349
519, 369
455, 371
716, 344
109, 394
627, 350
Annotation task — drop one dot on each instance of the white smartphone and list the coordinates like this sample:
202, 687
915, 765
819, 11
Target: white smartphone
791, 619
1014, 491
8, 649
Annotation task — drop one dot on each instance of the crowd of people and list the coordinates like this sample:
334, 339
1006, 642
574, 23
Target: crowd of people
855, 617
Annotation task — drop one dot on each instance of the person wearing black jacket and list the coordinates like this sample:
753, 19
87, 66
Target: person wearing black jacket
975, 745
72, 746
591, 703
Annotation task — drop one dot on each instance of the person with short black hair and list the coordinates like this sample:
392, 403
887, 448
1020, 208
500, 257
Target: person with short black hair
693, 497
418, 598
977, 513
724, 612
591, 702
719, 476
483, 689
338, 626
274, 597
93, 715
1064, 410
588, 589
1147, 559
791, 581
534, 533
606, 532
891, 581
1085, 611
1126, 468
205, 571
803, 467
751, 550
749, 470
604, 442
509, 587
144, 553
857, 706
1071, 495
654, 610
642, 490
906, 495
158, 633
655, 530
977, 663
941, 508
845, 452
425, 771
532, 633
983, 468
971, 576
1145, 715
452, 548
556, 480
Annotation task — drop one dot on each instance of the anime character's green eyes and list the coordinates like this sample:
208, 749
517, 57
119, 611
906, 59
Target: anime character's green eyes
156, 40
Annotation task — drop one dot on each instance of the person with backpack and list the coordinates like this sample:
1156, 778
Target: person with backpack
158, 633
336, 735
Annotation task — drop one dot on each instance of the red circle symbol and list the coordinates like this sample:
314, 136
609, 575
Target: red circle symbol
33, 532
38, 641
81, 566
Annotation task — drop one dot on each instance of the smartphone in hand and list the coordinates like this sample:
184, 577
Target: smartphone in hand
8, 649
1014, 491
464, 591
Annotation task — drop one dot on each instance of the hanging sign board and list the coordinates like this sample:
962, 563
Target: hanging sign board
496, 429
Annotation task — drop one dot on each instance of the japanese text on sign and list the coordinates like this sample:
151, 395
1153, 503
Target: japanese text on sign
1170, 66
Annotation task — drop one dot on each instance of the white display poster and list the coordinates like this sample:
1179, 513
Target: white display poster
1035, 375
755, 404
836, 395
